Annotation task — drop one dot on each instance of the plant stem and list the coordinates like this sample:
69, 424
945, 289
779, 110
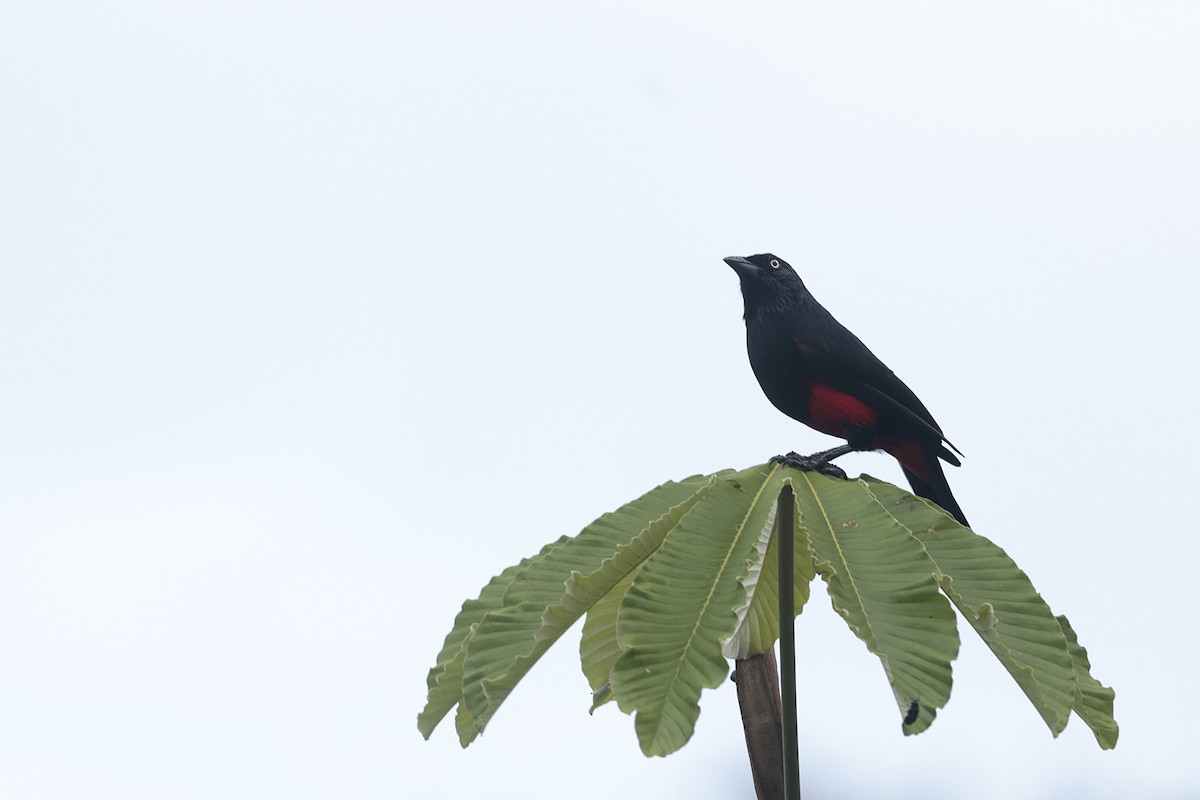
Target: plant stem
758, 696
785, 525
770, 725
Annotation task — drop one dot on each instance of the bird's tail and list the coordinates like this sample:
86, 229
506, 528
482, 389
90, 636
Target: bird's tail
932, 485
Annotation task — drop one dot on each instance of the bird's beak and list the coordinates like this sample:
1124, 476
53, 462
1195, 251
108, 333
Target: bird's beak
741, 266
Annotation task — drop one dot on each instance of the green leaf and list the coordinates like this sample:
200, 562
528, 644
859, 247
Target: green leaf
685, 576
1093, 701
881, 582
499, 646
601, 593
445, 680
996, 598
497, 638
680, 607
599, 647
758, 617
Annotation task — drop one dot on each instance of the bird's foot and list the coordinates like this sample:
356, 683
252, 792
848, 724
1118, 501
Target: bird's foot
817, 462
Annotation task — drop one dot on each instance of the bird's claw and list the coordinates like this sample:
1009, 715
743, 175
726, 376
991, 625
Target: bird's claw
814, 463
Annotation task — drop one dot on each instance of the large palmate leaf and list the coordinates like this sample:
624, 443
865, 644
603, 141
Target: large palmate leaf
684, 577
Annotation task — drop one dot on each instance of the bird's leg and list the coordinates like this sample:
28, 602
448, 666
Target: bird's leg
817, 462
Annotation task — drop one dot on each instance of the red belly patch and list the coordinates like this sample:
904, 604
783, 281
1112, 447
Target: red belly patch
831, 411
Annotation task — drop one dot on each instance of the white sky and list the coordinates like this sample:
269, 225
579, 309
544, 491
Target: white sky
313, 316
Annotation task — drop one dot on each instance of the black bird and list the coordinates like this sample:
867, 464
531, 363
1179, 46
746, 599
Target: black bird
816, 371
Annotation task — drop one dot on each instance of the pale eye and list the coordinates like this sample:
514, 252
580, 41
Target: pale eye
774, 263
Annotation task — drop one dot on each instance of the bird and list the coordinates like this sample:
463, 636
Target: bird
812, 368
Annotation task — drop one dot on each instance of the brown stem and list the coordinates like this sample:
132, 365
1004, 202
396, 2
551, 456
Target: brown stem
762, 720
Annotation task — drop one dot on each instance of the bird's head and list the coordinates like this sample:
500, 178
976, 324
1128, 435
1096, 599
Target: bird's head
768, 283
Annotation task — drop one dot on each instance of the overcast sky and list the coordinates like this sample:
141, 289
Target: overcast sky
314, 316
